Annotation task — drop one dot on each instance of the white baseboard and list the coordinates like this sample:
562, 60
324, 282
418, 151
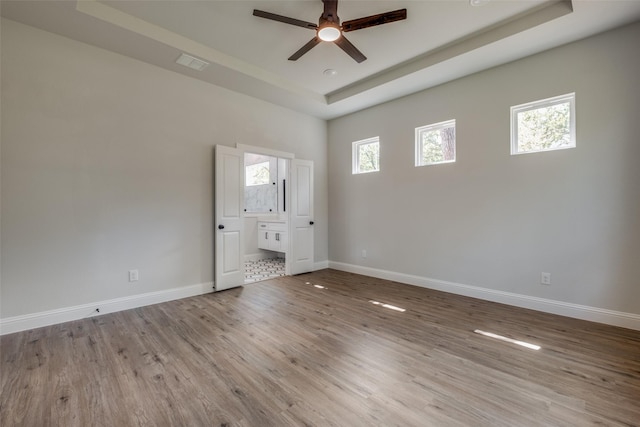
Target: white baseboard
36, 320
616, 318
594, 314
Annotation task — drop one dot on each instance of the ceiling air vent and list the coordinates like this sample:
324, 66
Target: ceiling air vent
191, 62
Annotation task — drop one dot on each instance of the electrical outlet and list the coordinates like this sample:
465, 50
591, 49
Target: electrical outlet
134, 276
545, 278
364, 253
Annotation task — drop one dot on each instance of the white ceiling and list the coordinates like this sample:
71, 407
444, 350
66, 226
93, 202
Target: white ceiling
438, 42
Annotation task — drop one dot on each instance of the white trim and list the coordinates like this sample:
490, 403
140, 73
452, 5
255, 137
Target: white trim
51, 317
569, 98
355, 154
419, 147
593, 314
266, 151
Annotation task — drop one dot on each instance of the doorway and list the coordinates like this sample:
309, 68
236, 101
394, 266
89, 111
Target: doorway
265, 216
286, 229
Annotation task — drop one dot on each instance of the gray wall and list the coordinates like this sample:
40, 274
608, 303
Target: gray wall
107, 166
493, 220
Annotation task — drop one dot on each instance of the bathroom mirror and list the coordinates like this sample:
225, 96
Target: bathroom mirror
260, 184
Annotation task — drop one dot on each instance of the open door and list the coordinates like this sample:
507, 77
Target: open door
301, 219
229, 224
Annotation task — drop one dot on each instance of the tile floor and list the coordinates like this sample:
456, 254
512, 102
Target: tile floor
256, 271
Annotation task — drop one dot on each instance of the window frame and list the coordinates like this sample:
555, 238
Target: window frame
542, 103
430, 128
355, 154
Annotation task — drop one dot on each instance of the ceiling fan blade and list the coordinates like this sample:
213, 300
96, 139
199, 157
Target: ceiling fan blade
350, 49
304, 49
285, 19
373, 20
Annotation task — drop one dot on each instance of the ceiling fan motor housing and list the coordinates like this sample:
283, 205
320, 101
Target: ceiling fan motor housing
328, 29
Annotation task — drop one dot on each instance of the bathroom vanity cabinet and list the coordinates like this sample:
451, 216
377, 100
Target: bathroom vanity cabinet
272, 235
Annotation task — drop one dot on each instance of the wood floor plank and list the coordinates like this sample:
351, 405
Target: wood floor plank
314, 350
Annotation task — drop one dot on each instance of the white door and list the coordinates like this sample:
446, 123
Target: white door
229, 224
301, 216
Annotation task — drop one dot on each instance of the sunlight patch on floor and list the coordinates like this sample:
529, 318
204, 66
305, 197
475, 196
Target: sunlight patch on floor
389, 306
509, 340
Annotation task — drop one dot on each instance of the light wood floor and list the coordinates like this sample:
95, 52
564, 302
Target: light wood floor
286, 353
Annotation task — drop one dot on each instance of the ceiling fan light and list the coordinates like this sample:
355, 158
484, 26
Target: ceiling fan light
329, 33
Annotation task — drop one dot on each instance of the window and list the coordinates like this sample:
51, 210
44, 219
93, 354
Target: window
366, 155
436, 143
549, 124
257, 174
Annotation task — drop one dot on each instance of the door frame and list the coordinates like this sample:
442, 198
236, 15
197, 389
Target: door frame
244, 148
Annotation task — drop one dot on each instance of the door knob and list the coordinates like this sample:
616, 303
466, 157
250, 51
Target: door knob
220, 227
310, 222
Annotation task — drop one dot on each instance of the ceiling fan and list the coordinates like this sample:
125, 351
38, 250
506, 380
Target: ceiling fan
330, 30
